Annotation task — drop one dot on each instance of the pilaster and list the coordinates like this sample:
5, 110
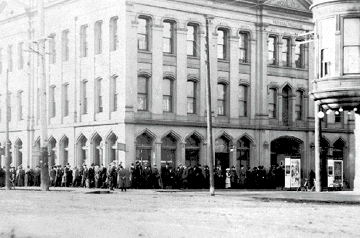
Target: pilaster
234, 77
181, 70
157, 158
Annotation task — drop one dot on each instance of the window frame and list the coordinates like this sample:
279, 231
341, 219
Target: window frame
168, 98
245, 47
243, 101
343, 45
275, 59
144, 95
20, 55
171, 38
113, 34
300, 55
193, 97
114, 93
147, 36
98, 37
274, 103
288, 49
299, 105
99, 95
84, 50
52, 101
84, 98
222, 100
65, 101
65, 45
193, 42
224, 45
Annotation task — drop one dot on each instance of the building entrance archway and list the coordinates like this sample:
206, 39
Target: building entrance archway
285, 146
222, 152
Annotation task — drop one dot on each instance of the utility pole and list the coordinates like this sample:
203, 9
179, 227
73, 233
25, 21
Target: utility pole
318, 173
43, 116
209, 112
7, 143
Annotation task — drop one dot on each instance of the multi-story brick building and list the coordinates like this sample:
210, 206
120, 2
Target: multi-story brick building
134, 73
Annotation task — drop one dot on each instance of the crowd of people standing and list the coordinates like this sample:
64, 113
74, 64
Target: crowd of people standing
140, 176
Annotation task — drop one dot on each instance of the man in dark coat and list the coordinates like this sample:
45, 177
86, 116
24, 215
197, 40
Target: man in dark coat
124, 176
233, 177
37, 174
165, 176
91, 176
103, 175
155, 177
111, 174
147, 176
52, 174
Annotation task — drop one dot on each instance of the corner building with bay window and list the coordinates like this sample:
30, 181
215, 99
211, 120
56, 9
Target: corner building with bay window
133, 73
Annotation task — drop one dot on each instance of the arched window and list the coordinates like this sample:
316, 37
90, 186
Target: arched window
286, 101
83, 41
113, 33
168, 37
221, 99
97, 150
339, 150
143, 34
142, 97
222, 44
272, 100
243, 100
84, 98
244, 47
192, 39
168, 151
299, 54
98, 37
144, 144
98, 96
243, 152
113, 94
286, 52
272, 50
168, 92
191, 97
192, 151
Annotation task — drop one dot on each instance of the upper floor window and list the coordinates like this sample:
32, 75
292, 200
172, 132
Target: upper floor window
272, 43
192, 31
327, 46
113, 33
143, 33
65, 45
299, 105
83, 41
243, 104
98, 37
272, 100
339, 117
65, 100
21, 55
52, 101
191, 97
10, 58
168, 37
20, 105
221, 99
84, 98
167, 95
222, 44
286, 52
52, 49
351, 45
299, 55
98, 96
142, 97
114, 94
243, 46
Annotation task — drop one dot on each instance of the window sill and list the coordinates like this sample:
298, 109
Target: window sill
193, 57
224, 60
244, 63
145, 51
169, 54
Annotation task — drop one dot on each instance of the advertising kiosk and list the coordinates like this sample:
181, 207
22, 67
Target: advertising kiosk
292, 173
335, 173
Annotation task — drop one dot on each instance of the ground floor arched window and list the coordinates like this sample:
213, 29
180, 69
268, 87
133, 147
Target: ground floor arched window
192, 151
64, 151
243, 153
52, 152
97, 150
168, 151
111, 148
222, 152
144, 145
82, 150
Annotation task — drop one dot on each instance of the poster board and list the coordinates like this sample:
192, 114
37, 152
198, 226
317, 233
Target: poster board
335, 172
292, 173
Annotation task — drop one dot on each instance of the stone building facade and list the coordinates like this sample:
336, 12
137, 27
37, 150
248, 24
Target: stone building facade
133, 73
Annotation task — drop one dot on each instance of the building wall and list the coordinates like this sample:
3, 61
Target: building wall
127, 63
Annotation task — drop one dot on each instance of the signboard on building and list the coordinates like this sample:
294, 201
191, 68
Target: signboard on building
292, 172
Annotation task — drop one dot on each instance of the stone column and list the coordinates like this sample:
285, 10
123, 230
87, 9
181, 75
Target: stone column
357, 154
181, 71
157, 159
157, 70
181, 160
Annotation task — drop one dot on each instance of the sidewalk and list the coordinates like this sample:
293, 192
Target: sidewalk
338, 197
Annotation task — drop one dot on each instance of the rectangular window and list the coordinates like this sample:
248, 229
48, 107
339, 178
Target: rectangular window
21, 55
351, 45
272, 50
10, 58
52, 102
99, 96
192, 40
113, 33
243, 46
114, 94
242, 101
299, 55
168, 37
221, 99
327, 46
286, 50
167, 95
272, 100
142, 96
98, 38
299, 105
65, 45
20, 105
222, 44
83, 41
65, 100
339, 117
191, 97
52, 49
143, 34
84, 98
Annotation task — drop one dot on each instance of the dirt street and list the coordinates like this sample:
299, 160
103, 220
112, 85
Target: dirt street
147, 213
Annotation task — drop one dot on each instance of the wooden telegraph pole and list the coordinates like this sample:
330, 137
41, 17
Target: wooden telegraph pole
7, 143
318, 172
43, 116
209, 112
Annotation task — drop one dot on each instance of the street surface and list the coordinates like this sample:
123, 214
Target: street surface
149, 213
